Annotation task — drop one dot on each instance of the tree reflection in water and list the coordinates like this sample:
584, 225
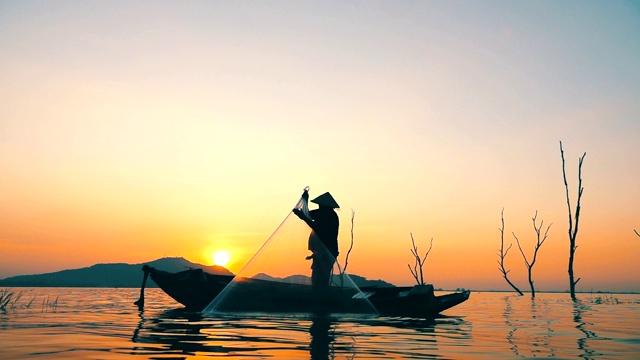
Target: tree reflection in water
507, 315
578, 309
529, 327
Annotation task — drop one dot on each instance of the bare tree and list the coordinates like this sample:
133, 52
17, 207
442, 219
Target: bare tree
346, 260
502, 254
573, 227
419, 262
636, 231
539, 241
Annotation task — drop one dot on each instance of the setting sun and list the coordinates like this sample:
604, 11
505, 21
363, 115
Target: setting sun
221, 258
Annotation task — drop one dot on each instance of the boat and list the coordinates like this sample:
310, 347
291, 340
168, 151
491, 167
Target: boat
195, 289
417, 301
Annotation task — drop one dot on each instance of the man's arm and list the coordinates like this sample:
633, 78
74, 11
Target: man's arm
303, 217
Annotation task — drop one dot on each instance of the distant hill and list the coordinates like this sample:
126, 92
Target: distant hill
130, 275
362, 281
107, 275
357, 279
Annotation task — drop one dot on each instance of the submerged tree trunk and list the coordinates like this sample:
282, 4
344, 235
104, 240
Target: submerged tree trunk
502, 254
573, 228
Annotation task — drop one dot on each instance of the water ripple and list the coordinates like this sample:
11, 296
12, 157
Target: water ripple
103, 323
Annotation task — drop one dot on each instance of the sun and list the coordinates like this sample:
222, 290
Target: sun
221, 258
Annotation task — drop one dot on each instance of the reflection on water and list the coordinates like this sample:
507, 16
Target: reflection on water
175, 331
553, 325
322, 337
185, 333
178, 332
530, 330
543, 340
578, 309
512, 328
103, 323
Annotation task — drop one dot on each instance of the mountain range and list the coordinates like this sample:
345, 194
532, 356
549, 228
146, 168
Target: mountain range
107, 275
129, 275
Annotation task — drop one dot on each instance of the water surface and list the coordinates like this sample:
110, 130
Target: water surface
79, 323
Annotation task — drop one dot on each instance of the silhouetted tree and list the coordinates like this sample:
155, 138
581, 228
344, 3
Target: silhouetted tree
539, 242
346, 259
573, 227
419, 262
503, 253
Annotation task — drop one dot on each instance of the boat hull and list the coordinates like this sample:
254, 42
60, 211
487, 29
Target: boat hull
195, 289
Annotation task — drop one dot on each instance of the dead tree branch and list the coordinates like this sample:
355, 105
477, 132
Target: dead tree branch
419, 262
539, 241
636, 231
573, 228
502, 254
346, 260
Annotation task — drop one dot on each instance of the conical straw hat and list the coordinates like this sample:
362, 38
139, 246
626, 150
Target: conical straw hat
326, 200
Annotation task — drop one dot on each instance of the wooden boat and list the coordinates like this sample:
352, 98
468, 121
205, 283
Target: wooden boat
195, 289
418, 301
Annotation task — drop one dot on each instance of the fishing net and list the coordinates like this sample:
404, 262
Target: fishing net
278, 277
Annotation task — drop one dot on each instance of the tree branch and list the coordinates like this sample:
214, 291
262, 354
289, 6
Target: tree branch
566, 186
540, 239
502, 254
573, 228
526, 262
419, 262
346, 260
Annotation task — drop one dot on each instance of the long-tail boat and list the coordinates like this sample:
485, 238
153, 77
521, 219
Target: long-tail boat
196, 289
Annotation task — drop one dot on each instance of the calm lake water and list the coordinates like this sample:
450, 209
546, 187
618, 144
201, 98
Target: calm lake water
104, 324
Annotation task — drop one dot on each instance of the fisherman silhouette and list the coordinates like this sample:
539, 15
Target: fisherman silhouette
323, 240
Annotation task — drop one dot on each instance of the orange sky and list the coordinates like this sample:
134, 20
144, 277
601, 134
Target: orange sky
130, 132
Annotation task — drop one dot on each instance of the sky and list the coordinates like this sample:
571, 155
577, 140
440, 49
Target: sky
130, 131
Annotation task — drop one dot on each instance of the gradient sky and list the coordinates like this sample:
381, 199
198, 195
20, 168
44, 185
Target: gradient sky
131, 131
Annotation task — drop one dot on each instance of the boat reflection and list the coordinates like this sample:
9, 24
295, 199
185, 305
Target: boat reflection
171, 332
187, 333
180, 333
